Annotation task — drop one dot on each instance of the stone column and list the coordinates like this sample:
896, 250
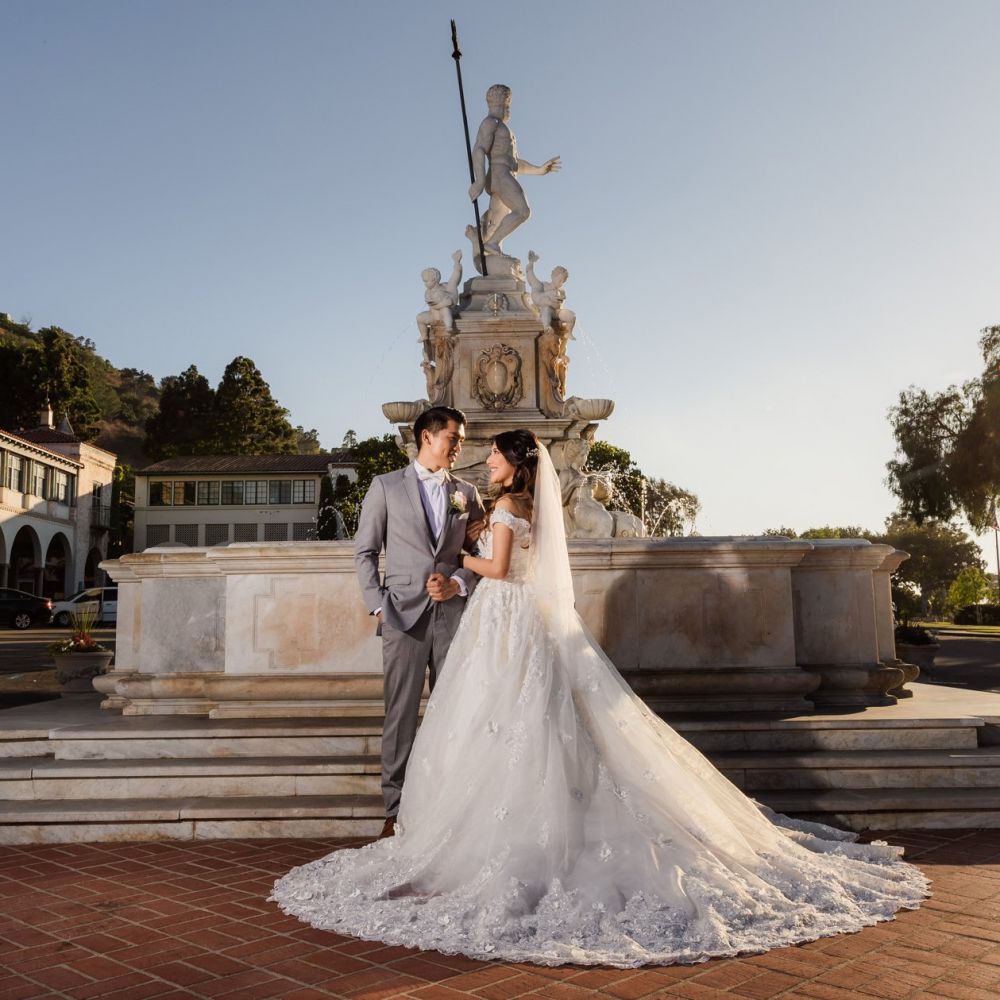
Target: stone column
836, 623
887, 625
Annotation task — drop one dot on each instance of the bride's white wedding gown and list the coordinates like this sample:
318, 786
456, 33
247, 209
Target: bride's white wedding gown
549, 816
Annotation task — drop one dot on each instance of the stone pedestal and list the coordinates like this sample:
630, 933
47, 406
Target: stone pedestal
837, 623
499, 366
882, 580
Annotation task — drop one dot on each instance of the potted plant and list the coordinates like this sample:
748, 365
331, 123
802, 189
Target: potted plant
80, 658
917, 645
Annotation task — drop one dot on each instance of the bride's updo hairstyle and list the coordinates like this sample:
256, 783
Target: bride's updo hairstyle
520, 448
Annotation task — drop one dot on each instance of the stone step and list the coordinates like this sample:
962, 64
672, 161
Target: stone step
171, 737
890, 809
196, 818
25, 748
60, 821
180, 736
916, 737
47, 779
978, 767
226, 747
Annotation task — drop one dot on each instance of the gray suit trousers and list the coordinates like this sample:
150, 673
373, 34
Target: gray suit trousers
406, 659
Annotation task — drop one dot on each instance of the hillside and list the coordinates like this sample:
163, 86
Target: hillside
110, 406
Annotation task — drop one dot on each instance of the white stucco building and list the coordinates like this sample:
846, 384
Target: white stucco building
215, 499
55, 503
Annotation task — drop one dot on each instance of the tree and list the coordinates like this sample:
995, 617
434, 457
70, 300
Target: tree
120, 535
938, 553
350, 440
248, 420
185, 423
22, 397
49, 366
307, 442
65, 381
971, 586
664, 506
827, 531
373, 457
948, 446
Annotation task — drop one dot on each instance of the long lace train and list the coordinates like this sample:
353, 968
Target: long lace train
549, 816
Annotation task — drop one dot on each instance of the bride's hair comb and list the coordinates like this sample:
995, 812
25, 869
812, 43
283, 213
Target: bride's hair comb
531, 453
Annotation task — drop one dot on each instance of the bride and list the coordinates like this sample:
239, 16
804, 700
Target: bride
548, 816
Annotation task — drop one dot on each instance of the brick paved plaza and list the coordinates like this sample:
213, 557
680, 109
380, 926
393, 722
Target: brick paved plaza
134, 921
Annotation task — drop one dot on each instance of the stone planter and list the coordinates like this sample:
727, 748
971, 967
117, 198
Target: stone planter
921, 656
76, 671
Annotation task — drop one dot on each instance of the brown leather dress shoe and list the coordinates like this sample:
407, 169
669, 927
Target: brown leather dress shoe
389, 828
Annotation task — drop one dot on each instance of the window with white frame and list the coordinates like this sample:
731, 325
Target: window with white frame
36, 484
303, 491
280, 491
232, 492
61, 486
13, 477
184, 493
208, 493
161, 494
255, 491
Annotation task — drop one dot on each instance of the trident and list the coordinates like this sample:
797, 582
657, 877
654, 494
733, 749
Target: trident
457, 56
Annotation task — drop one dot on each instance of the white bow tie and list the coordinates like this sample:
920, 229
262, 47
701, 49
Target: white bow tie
438, 477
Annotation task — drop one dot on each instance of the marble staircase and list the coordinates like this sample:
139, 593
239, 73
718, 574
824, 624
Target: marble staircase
69, 772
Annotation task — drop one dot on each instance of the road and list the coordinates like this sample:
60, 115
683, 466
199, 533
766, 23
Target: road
967, 661
25, 652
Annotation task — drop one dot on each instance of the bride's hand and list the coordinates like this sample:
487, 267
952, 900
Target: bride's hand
473, 531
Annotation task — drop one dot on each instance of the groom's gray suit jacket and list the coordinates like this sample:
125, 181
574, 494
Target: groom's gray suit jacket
393, 518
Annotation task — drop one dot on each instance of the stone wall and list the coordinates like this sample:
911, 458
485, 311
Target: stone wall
697, 625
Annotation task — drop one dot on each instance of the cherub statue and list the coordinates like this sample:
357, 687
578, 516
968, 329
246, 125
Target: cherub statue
441, 299
549, 296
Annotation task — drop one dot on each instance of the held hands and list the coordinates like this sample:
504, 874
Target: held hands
477, 189
532, 257
441, 588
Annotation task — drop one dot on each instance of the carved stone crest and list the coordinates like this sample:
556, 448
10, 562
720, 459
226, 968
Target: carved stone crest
498, 378
496, 304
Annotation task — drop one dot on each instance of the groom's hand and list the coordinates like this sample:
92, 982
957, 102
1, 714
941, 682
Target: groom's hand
441, 587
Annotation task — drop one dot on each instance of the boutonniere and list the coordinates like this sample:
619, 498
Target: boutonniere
458, 503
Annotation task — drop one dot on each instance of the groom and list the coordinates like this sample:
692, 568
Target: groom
420, 516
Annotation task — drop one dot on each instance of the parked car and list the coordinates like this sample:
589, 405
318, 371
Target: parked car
19, 609
978, 614
102, 602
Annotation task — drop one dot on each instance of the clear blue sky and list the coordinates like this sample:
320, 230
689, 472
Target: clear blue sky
775, 215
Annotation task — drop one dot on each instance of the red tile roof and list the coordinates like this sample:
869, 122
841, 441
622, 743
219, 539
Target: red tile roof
22, 438
241, 464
